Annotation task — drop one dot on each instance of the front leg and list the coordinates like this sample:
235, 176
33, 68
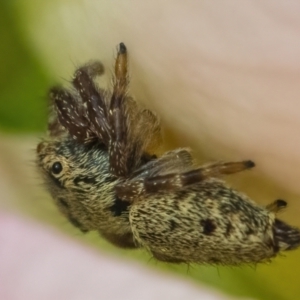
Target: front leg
67, 115
134, 131
129, 133
82, 114
117, 116
94, 101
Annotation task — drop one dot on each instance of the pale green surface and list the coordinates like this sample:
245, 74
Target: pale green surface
23, 82
23, 86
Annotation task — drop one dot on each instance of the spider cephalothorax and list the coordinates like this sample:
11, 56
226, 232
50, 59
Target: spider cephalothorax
100, 167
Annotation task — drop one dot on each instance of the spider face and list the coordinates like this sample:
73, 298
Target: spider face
74, 179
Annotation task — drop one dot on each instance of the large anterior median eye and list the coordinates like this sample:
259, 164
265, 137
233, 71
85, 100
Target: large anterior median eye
56, 168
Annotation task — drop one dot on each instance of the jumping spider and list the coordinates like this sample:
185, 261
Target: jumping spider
99, 165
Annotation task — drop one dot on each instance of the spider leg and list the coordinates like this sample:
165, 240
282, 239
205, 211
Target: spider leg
55, 129
276, 206
95, 110
132, 189
121, 76
143, 137
178, 160
122, 241
150, 134
69, 114
177, 181
117, 116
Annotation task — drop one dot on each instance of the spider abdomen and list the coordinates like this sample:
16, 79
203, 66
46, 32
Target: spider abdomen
205, 223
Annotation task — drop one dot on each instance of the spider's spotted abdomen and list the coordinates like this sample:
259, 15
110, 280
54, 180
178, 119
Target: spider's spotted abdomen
206, 223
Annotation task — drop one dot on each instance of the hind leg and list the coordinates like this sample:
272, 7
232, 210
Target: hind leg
175, 181
276, 206
132, 189
166, 258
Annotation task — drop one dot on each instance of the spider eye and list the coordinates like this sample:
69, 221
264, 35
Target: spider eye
56, 168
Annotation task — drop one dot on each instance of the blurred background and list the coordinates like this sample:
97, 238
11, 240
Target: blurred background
33, 56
